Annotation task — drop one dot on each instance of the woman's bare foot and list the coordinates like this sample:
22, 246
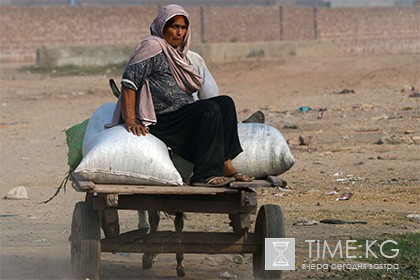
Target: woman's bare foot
231, 171
241, 177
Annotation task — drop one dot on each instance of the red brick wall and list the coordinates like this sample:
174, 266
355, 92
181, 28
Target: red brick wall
23, 30
297, 23
371, 29
238, 24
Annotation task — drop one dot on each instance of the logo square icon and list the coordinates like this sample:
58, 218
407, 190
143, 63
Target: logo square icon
279, 253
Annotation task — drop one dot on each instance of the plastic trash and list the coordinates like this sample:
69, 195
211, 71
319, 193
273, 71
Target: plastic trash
305, 222
304, 109
331, 193
17, 193
345, 196
341, 222
413, 216
346, 91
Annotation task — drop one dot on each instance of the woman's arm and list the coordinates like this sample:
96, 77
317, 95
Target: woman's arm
129, 112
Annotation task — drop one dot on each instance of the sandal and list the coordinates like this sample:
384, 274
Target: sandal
240, 177
211, 182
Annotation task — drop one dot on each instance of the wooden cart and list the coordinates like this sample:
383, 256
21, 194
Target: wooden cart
99, 210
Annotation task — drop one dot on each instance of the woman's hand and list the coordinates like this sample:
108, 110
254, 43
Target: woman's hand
137, 129
129, 112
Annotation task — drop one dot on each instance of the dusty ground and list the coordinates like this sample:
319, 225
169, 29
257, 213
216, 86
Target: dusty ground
339, 143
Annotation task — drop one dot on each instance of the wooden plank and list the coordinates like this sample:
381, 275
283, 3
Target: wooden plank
80, 184
127, 237
110, 222
150, 189
231, 204
252, 184
185, 242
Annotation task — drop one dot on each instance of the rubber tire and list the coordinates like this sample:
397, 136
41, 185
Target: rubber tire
85, 242
269, 224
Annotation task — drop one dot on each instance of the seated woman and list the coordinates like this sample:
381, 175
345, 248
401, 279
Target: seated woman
157, 97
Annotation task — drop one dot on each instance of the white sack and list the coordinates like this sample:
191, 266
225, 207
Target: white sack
265, 151
102, 115
116, 156
210, 88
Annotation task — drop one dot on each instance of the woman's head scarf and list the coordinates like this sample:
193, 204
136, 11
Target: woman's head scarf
165, 14
155, 43
184, 73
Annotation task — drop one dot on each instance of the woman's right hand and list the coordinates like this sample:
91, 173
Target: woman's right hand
129, 112
137, 129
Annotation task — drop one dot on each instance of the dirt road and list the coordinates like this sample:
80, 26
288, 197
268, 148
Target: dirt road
361, 135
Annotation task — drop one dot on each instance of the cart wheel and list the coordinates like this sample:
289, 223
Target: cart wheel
269, 224
85, 242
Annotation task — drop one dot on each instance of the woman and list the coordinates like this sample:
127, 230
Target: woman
156, 97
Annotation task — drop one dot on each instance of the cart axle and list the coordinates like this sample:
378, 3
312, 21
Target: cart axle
182, 242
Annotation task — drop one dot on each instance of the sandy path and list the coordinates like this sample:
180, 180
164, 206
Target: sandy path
35, 110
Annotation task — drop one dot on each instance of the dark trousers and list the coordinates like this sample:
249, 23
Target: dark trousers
204, 133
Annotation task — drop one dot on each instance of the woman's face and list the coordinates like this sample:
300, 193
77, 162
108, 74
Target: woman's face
175, 30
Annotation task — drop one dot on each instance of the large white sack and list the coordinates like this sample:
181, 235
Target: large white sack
116, 156
266, 152
96, 125
210, 88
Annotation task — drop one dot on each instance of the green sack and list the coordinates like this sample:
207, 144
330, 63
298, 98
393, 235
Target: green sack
74, 137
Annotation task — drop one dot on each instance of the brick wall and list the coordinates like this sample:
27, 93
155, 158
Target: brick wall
238, 24
298, 23
368, 30
23, 30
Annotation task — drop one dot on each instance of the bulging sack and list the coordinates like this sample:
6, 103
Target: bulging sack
96, 125
115, 156
266, 152
210, 88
